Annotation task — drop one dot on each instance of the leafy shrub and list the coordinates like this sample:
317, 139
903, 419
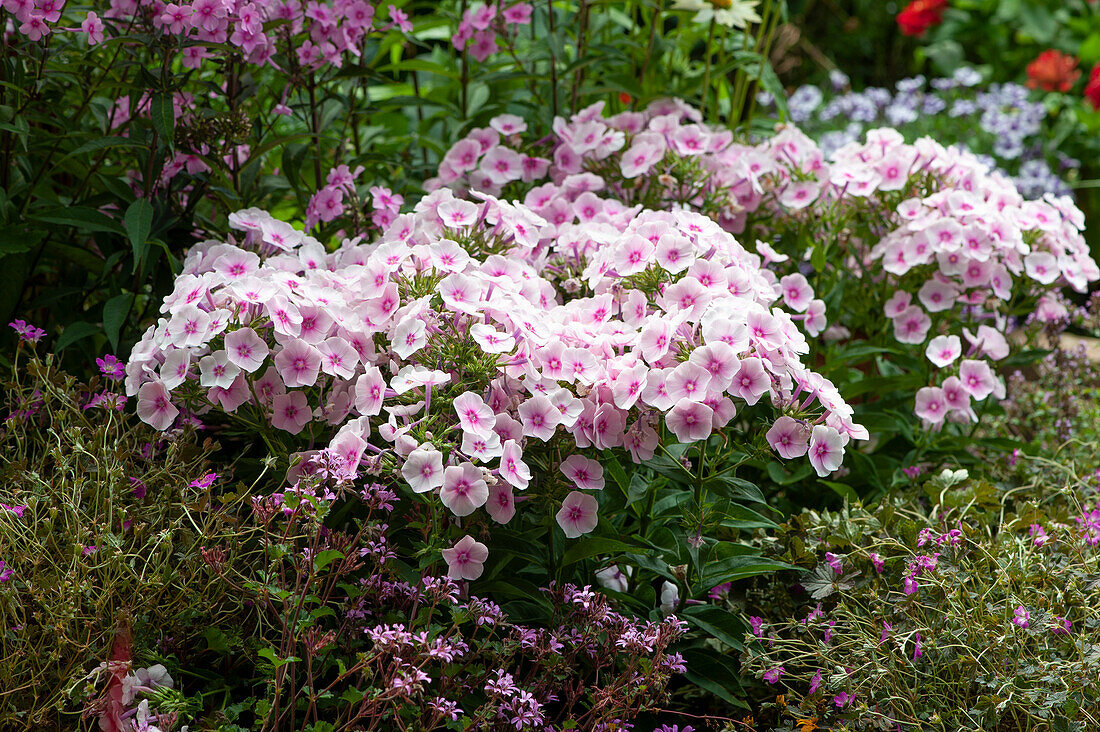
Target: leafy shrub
102, 525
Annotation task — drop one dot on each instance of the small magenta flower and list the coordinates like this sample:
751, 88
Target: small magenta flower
89, 550
835, 562
772, 675
111, 367
843, 699
916, 647
1060, 625
1022, 616
757, 624
5, 574
878, 562
205, 481
26, 331
815, 682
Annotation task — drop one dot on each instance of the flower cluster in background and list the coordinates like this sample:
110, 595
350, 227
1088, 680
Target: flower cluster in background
1000, 123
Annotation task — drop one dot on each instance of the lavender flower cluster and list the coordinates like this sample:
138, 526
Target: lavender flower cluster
999, 122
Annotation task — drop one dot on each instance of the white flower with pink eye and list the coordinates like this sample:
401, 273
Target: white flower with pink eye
797, 292
977, 378
578, 514
990, 342
645, 152
633, 255
466, 559
814, 320
502, 166
457, 214
216, 370
954, 395
234, 265
540, 417
937, 295
464, 490
370, 388
586, 474
930, 404
690, 421
789, 437
409, 336
628, 385
190, 327
298, 363
688, 381
481, 447
751, 381
720, 361
155, 406
246, 349
338, 358
826, 449
508, 124
173, 371
501, 505
674, 252
943, 350
1042, 267
512, 468
423, 469
291, 412
897, 304
492, 340
912, 325
461, 293
474, 415
410, 377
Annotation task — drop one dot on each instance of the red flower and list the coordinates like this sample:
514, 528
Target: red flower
1092, 89
1052, 71
920, 15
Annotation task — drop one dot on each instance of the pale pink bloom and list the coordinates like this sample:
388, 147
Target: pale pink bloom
943, 350
930, 404
409, 337
540, 417
897, 304
94, 27
466, 559
217, 370
642, 155
977, 378
690, 421
155, 407
937, 295
298, 363
512, 468
674, 252
655, 393
1042, 267
789, 437
751, 381
492, 340
797, 292
641, 441
411, 377
285, 316
291, 412
815, 321
457, 214
501, 505
246, 349
338, 358
370, 389
269, 386
628, 385
460, 292
826, 449
190, 327
990, 342
688, 381
173, 371
578, 514
586, 473
423, 469
912, 325
502, 165
608, 424
474, 415
720, 361
464, 490
481, 447
508, 124
237, 264
633, 255
655, 339
954, 395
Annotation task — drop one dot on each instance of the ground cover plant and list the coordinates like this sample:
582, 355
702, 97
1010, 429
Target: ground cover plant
515, 366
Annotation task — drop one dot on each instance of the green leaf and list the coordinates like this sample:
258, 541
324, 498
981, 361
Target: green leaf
844, 491
80, 217
717, 622
593, 546
325, 558
269, 654
738, 567
164, 117
115, 311
75, 332
734, 488
139, 222
714, 672
216, 639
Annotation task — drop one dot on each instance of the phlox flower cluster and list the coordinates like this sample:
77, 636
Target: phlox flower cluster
998, 121
483, 24
316, 33
433, 356
958, 245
